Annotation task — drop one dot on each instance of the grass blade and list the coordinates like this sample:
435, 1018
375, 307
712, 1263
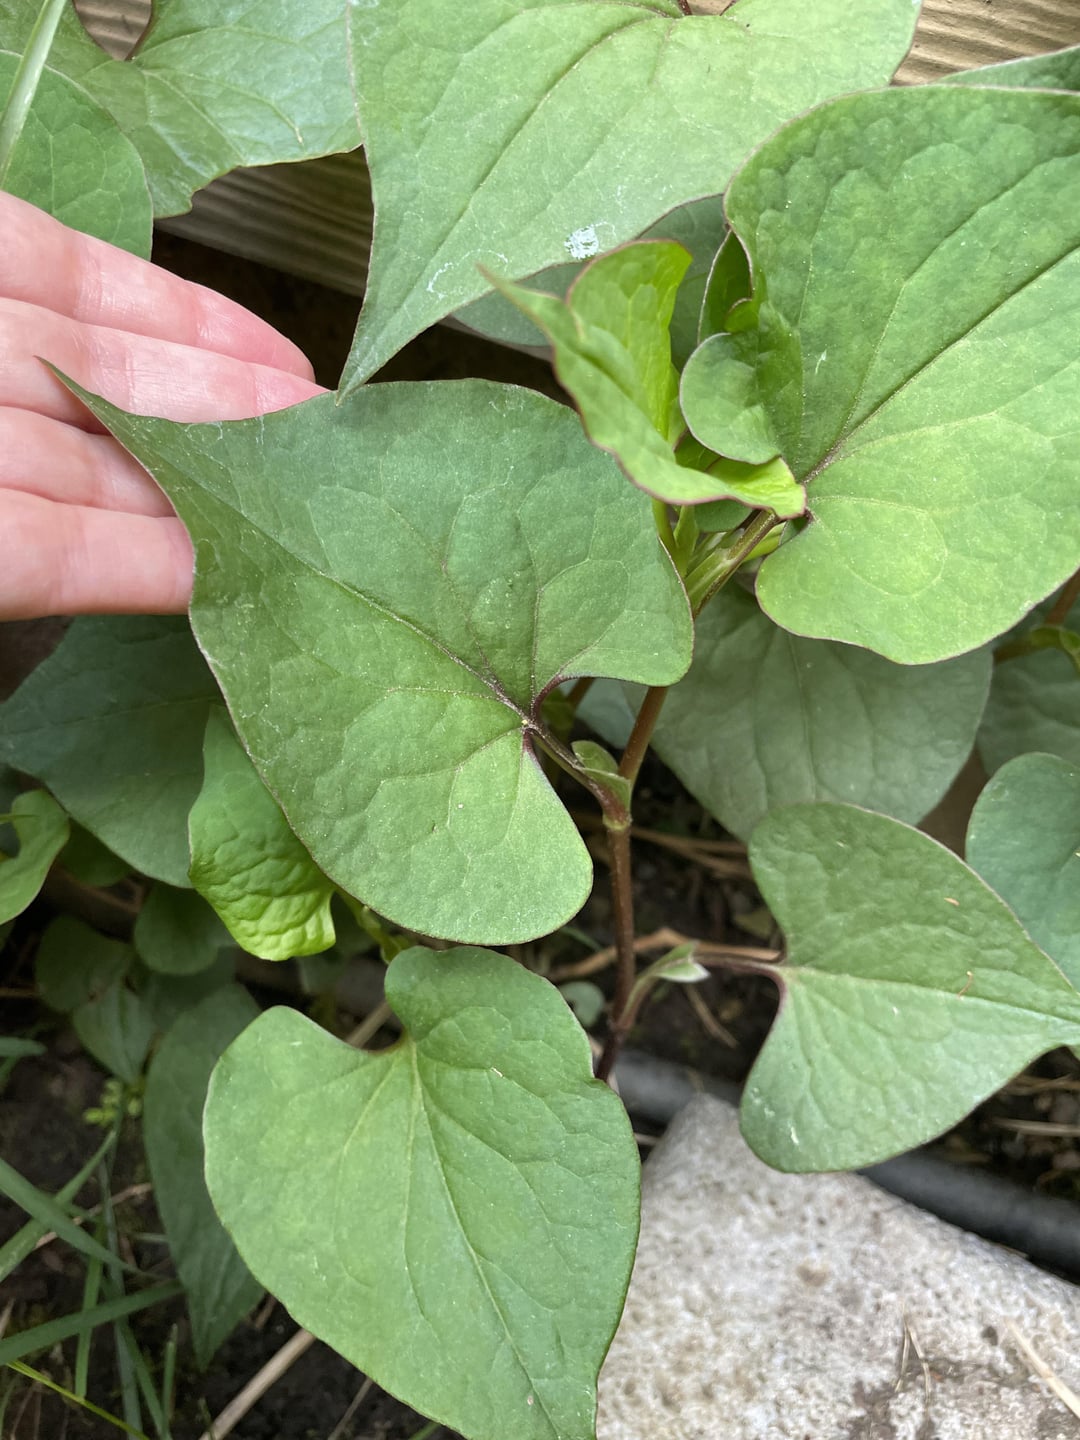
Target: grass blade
67, 1326
15, 1251
41, 1379
44, 1208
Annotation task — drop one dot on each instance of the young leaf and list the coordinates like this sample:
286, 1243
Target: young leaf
210, 88
613, 354
73, 161
520, 137
385, 633
75, 965
117, 1029
1024, 840
910, 993
113, 723
177, 932
480, 1193
1034, 705
42, 830
246, 860
914, 359
765, 718
220, 1288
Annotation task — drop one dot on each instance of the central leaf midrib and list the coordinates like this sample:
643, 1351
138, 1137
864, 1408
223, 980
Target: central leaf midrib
421, 1107
784, 972
490, 682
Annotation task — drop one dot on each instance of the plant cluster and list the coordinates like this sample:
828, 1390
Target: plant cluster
814, 537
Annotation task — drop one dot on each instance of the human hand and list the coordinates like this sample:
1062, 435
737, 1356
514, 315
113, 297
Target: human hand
83, 528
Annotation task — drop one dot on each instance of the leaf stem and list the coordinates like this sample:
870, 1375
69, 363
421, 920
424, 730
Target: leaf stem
1059, 612
684, 6
662, 519
622, 900
642, 732
718, 565
27, 76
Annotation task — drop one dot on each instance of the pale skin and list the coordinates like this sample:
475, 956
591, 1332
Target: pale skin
83, 528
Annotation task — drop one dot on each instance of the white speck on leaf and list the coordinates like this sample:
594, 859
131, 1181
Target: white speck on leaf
792, 1133
821, 360
583, 243
496, 1072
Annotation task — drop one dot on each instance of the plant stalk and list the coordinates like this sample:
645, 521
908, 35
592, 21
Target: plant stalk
1065, 601
27, 77
622, 900
718, 566
642, 732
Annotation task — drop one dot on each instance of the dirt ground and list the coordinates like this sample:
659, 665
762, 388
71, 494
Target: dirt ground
1028, 1132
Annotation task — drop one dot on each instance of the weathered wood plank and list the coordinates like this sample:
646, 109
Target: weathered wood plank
314, 219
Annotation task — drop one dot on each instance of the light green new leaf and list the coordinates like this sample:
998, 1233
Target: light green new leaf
480, 1193
246, 860
765, 718
73, 161
613, 354
76, 964
213, 87
1034, 705
1024, 840
519, 136
220, 1288
910, 993
385, 632
177, 932
42, 830
916, 360
113, 723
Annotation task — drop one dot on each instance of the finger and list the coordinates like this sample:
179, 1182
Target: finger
71, 560
142, 374
44, 263
59, 462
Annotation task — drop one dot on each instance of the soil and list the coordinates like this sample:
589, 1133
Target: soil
1027, 1132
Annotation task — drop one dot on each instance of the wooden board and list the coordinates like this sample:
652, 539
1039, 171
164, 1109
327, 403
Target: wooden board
314, 219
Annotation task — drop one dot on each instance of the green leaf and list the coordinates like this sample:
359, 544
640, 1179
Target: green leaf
42, 829
910, 994
476, 1258
604, 768
220, 1288
73, 161
91, 862
213, 87
1024, 840
167, 997
1034, 705
14, 1047
1057, 71
765, 718
177, 932
613, 354
117, 1029
516, 137
76, 965
113, 723
246, 860
385, 634
913, 354
696, 227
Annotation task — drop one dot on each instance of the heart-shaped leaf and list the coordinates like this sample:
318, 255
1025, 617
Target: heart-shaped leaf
613, 354
912, 351
220, 1288
1034, 705
1024, 840
516, 136
479, 1193
74, 161
910, 993
75, 964
177, 932
212, 87
42, 830
386, 632
1059, 70
133, 694
247, 862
